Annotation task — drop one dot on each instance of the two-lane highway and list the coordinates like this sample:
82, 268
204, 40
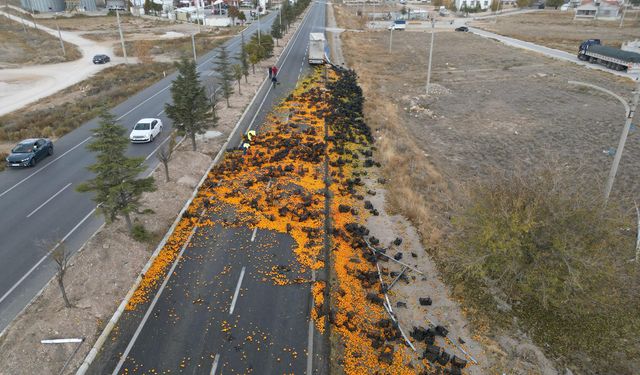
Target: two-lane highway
40, 205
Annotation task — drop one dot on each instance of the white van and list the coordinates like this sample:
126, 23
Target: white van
398, 25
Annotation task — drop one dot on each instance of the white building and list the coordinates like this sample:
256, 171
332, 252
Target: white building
484, 4
604, 9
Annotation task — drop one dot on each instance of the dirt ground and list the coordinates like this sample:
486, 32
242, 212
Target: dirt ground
102, 272
558, 30
25, 46
500, 107
491, 107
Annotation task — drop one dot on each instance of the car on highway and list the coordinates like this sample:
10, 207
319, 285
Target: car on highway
146, 130
101, 59
462, 28
30, 151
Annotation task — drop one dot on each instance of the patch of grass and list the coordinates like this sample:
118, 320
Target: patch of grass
56, 115
22, 45
140, 233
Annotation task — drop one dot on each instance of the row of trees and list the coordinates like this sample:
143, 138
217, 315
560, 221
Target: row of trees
116, 184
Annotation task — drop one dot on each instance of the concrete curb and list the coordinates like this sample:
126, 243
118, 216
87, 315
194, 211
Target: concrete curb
118, 313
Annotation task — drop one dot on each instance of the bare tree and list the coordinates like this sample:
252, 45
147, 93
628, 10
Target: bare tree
61, 256
165, 153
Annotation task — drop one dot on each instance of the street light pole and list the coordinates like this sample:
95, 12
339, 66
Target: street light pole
624, 11
64, 53
193, 46
124, 50
391, 39
433, 30
630, 112
259, 25
623, 140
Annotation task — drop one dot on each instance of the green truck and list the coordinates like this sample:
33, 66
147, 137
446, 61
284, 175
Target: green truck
593, 51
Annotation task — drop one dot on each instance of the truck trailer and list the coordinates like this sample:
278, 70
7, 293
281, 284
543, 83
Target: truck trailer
613, 58
316, 48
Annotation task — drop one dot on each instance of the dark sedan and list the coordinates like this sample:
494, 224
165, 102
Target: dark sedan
30, 151
462, 28
101, 59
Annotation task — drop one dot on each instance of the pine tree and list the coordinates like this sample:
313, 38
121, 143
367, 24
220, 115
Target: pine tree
226, 74
276, 30
244, 60
116, 184
190, 108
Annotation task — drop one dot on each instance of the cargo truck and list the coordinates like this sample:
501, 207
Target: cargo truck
316, 48
613, 58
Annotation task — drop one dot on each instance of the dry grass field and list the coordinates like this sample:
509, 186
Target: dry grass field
492, 108
26, 46
558, 30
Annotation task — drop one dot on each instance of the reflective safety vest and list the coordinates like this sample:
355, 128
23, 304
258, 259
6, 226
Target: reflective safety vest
251, 134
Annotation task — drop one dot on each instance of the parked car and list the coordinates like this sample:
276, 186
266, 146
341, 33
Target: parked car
101, 59
30, 151
146, 130
462, 28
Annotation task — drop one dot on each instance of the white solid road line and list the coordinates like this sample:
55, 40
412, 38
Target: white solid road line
44, 167
310, 348
235, 295
49, 200
215, 364
45, 257
293, 42
144, 101
123, 358
253, 236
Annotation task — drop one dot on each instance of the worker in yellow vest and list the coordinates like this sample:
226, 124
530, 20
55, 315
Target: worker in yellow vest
245, 148
251, 134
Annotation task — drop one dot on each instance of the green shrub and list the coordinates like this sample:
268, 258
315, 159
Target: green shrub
140, 233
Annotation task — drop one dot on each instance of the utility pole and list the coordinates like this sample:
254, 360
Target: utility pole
391, 38
623, 140
193, 46
259, 25
24, 28
64, 53
433, 30
624, 11
124, 49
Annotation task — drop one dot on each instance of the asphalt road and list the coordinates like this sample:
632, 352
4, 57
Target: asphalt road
218, 312
40, 205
